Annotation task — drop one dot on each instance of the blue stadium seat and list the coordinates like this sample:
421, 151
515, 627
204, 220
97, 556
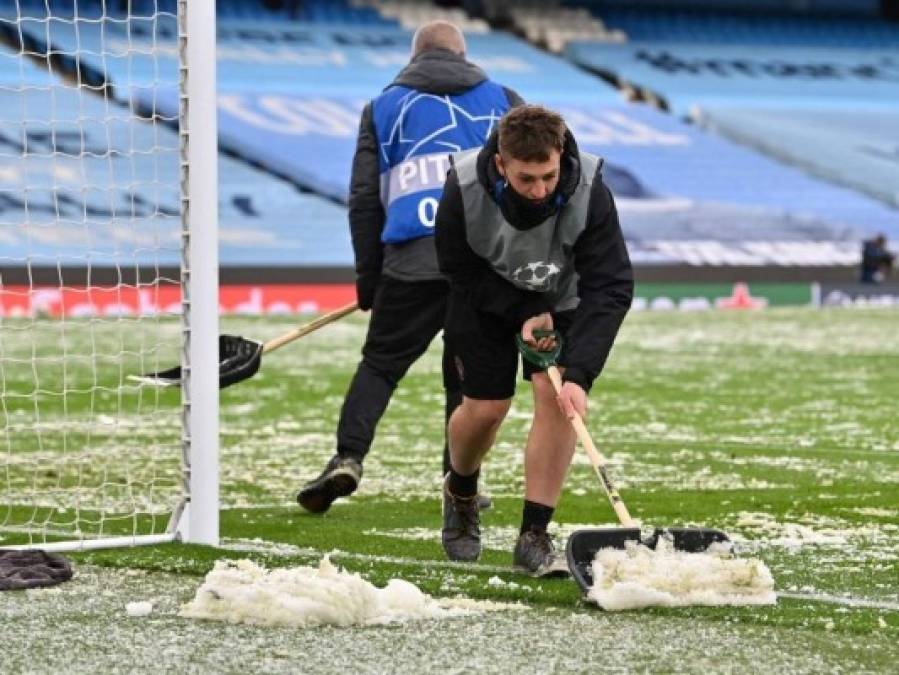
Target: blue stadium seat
680, 24
88, 9
689, 74
868, 8
313, 11
107, 170
316, 11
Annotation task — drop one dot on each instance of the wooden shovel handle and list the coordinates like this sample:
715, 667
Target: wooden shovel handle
596, 458
297, 333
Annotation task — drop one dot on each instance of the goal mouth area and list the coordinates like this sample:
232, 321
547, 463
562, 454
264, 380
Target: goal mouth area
105, 272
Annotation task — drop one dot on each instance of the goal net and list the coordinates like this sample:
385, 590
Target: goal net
98, 280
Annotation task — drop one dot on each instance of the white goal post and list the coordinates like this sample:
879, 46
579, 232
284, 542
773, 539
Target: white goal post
108, 269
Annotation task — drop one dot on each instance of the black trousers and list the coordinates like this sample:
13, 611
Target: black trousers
405, 318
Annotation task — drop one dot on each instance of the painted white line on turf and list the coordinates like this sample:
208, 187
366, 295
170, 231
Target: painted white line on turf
842, 600
256, 546
444, 564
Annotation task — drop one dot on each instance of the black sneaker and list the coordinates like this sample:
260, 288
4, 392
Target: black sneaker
340, 478
461, 533
534, 553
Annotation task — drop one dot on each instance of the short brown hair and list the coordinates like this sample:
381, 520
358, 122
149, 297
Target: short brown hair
530, 132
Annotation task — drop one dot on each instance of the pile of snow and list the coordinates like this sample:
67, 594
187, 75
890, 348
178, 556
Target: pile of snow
243, 592
638, 576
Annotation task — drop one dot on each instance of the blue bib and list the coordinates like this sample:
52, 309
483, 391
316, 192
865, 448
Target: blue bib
416, 133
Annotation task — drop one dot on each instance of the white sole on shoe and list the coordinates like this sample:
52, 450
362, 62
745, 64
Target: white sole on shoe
558, 569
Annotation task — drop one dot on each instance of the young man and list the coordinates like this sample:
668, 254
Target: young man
439, 103
528, 236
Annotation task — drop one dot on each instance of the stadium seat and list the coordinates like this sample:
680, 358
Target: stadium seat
681, 24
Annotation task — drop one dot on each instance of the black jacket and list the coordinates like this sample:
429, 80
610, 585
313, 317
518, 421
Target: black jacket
436, 72
605, 277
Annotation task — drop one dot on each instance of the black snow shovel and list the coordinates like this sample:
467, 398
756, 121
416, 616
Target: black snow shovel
583, 544
240, 358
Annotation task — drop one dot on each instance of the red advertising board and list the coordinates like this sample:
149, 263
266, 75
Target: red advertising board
150, 300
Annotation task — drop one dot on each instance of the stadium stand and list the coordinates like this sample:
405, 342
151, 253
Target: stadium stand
307, 11
321, 116
857, 148
291, 92
280, 81
676, 187
548, 24
133, 167
733, 27
412, 13
690, 75
818, 90
868, 8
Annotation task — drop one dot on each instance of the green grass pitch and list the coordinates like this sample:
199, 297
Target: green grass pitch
778, 426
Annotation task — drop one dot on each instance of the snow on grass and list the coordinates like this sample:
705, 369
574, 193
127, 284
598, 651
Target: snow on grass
762, 529
782, 413
269, 448
78, 628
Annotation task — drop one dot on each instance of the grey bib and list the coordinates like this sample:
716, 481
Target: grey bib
539, 259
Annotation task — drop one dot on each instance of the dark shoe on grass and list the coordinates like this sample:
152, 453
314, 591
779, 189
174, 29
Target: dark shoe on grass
461, 533
535, 554
340, 478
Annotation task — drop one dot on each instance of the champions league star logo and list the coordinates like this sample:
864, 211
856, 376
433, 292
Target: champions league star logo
415, 134
537, 276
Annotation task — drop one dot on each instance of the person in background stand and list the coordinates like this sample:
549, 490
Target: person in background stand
877, 260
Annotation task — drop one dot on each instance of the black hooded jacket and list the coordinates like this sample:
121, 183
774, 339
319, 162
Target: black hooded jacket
436, 71
605, 277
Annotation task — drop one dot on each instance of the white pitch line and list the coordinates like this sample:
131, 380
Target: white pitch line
250, 546
444, 564
842, 600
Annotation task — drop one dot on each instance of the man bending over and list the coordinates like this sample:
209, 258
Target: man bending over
528, 236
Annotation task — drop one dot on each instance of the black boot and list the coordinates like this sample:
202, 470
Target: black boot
340, 478
535, 554
461, 533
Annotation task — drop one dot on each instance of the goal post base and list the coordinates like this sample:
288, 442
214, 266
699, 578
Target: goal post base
96, 544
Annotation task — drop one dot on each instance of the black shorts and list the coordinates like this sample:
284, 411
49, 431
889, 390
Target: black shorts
484, 349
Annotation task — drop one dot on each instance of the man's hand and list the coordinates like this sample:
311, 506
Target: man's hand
572, 398
540, 322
